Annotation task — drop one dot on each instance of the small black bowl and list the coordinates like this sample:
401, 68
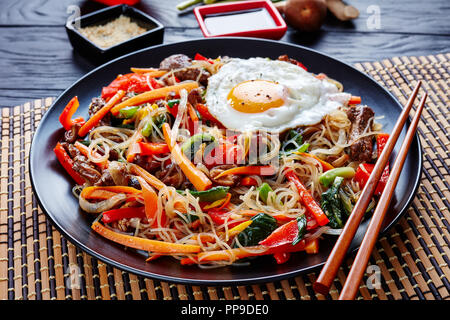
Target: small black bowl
90, 50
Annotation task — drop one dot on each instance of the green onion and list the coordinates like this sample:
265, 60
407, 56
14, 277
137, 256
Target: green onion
264, 190
328, 177
147, 130
173, 102
210, 195
128, 112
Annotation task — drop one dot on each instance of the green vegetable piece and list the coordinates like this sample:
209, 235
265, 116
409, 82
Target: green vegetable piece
294, 139
148, 129
128, 112
303, 148
87, 143
159, 120
328, 177
301, 224
173, 102
264, 190
210, 195
346, 202
262, 226
332, 206
191, 145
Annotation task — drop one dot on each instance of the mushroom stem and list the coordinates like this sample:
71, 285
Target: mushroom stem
341, 10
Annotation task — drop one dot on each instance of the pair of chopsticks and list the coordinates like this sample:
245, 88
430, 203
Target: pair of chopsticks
330, 269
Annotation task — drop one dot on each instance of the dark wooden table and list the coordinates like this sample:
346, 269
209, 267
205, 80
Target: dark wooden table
37, 60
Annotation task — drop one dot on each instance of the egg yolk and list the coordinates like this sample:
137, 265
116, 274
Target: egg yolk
257, 96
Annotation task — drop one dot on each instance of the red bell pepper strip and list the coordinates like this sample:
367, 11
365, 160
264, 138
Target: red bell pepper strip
100, 114
122, 213
151, 148
248, 182
204, 113
130, 82
198, 56
221, 216
308, 201
66, 115
284, 234
364, 170
65, 160
225, 153
382, 139
281, 257
354, 100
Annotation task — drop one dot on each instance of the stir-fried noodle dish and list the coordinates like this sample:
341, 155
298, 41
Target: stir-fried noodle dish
215, 160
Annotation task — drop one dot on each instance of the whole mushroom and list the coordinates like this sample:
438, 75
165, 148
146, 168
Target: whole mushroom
304, 15
309, 15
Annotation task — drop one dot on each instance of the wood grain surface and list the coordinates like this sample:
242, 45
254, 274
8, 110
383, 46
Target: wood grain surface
37, 60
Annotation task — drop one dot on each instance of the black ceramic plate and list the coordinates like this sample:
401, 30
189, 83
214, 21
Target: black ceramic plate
52, 185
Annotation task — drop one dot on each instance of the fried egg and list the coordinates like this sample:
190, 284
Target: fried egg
261, 94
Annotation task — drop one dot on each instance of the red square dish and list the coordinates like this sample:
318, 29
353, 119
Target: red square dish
254, 18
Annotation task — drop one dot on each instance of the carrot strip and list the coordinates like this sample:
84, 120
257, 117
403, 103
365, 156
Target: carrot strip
200, 181
312, 247
150, 202
325, 165
192, 113
203, 237
88, 192
143, 243
307, 200
237, 229
92, 122
151, 72
153, 95
149, 178
154, 257
249, 170
85, 152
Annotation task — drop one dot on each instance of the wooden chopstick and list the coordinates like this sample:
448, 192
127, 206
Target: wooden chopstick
365, 250
334, 261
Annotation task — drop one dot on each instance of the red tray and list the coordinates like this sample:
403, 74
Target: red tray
276, 32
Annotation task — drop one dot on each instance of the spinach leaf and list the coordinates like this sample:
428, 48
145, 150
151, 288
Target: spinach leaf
332, 206
301, 224
262, 226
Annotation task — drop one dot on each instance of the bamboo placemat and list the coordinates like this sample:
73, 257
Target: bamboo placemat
36, 262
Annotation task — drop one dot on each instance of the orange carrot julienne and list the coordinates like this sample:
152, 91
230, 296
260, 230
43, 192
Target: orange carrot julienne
200, 181
143, 243
151, 72
101, 113
325, 165
106, 192
150, 202
153, 95
249, 170
148, 177
192, 113
85, 152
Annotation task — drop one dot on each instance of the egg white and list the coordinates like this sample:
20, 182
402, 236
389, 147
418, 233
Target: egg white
309, 99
